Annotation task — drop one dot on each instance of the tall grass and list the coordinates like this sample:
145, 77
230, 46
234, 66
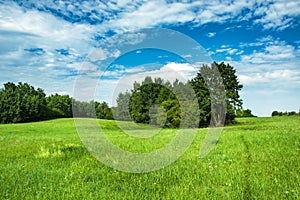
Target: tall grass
257, 159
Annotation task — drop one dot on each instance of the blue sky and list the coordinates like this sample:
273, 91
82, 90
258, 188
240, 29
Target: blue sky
47, 43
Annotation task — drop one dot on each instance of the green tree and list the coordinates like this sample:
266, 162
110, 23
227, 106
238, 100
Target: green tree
83, 109
143, 97
59, 105
209, 84
156, 102
204, 100
121, 111
21, 103
244, 113
275, 113
103, 111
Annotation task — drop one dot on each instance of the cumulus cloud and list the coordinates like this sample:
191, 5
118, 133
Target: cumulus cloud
275, 77
170, 71
278, 51
228, 50
270, 75
275, 64
277, 14
129, 15
37, 44
127, 76
51, 39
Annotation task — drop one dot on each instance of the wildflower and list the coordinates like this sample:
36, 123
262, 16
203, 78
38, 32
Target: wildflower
228, 184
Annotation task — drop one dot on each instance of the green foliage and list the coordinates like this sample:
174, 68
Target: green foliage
84, 109
152, 102
21, 103
291, 113
59, 105
143, 97
103, 111
24, 103
209, 88
215, 89
244, 113
121, 112
92, 109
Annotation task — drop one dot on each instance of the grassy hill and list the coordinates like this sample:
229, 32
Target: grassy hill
257, 159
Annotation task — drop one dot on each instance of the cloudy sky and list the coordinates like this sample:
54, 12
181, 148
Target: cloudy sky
50, 44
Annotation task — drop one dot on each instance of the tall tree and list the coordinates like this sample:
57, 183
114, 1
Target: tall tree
121, 112
103, 111
217, 84
212, 97
21, 103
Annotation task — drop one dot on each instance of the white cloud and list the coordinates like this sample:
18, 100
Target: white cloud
187, 56
29, 29
152, 13
50, 31
71, 26
98, 54
171, 71
127, 76
276, 52
229, 50
259, 42
228, 58
278, 14
270, 76
276, 76
211, 34
275, 64
131, 15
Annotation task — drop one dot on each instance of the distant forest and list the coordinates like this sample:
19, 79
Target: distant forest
24, 103
153, 101
291, 113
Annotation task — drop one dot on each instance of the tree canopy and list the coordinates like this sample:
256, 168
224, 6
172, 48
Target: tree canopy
291, 113
162, 103
23, 103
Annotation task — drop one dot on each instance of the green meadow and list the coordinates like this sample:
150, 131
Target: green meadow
258, 158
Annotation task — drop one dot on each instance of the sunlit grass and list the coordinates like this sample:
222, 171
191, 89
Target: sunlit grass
259, 158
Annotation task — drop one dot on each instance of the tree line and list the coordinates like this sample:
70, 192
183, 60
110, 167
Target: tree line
23, 103
291, 113
244, 113
166, 104
214, 89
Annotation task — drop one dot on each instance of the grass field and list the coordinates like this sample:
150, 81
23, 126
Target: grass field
259, 158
